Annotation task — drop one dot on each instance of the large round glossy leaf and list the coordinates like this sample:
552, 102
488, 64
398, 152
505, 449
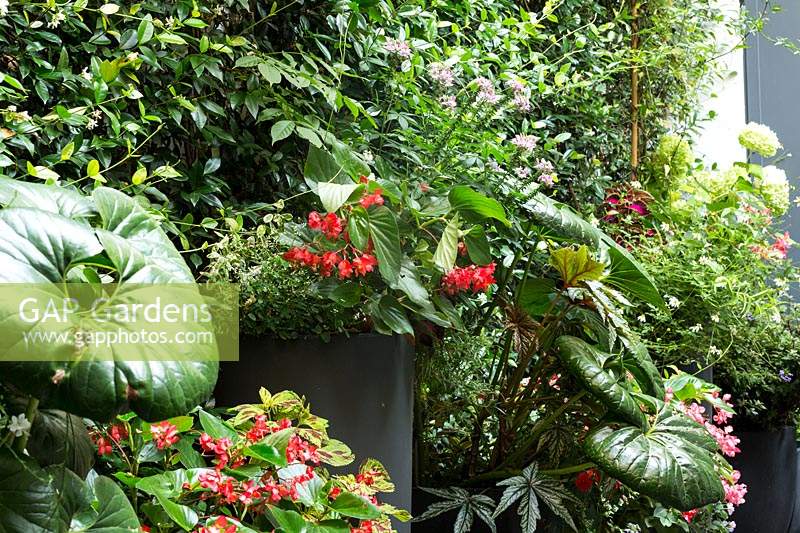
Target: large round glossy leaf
587, 365
672, 462
39, 244
55, 500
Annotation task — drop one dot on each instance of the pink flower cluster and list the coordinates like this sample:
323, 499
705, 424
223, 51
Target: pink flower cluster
397, 47
526, 143
263, 427
777, 250
486, 92
164, 434
441, 74
734, 491
520, 100
477, 278
547, 176
723, 434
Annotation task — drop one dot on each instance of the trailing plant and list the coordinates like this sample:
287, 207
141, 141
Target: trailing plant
256, 468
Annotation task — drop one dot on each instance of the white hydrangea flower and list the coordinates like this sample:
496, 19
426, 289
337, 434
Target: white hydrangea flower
760, 139
775, 189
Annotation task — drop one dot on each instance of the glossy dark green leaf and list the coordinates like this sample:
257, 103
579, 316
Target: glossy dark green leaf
61, 439
672, 462
215, 426
386, 240
475, 206
358, 228
625, 272
587, 365
477, 246
352, 505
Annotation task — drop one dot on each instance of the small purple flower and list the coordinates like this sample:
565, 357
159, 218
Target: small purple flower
397, 47
486, 91
441, 74
448, 101
786, 377
548, 180
516, 86
521, 102
525, 142
543, 165
522, 172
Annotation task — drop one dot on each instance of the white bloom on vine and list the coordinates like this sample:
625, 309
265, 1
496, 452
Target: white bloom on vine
57, 19
715, 318
3, 8
760, 139
705, 260
697, 328
85, 74
775, 188
367, 156
92, 124
96, 114
713, 350
642, 319
673, 302
19, 425
636, 184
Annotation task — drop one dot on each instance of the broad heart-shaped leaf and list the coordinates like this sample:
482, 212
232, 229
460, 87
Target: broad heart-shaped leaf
639, 363
39, 245
474, 206
386, 239
625, 272
576, 266
65, 202
477, 246
33, 500
58, 438
672, 462
586, 364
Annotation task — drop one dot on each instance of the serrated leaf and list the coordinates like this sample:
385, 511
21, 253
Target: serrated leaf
386, 240
334, 195
576, 266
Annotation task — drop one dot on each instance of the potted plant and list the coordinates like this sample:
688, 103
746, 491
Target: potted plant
382, 258
714, 242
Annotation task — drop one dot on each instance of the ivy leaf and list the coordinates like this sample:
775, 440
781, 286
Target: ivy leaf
281, 129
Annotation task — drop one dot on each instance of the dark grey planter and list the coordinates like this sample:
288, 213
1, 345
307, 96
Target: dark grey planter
768, 463
362, 384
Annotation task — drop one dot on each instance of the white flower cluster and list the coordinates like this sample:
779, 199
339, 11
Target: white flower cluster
775, 189
760, 139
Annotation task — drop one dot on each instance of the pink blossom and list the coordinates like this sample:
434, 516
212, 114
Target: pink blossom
448, 101
516, 86
397, 47
547, 179
725, 440
522, 172
543, 165
441, 74
734, 492
486, 92
668, 394
721, 417
525, 142
521, 102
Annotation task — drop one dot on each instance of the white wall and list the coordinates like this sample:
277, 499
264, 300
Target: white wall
717, 142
